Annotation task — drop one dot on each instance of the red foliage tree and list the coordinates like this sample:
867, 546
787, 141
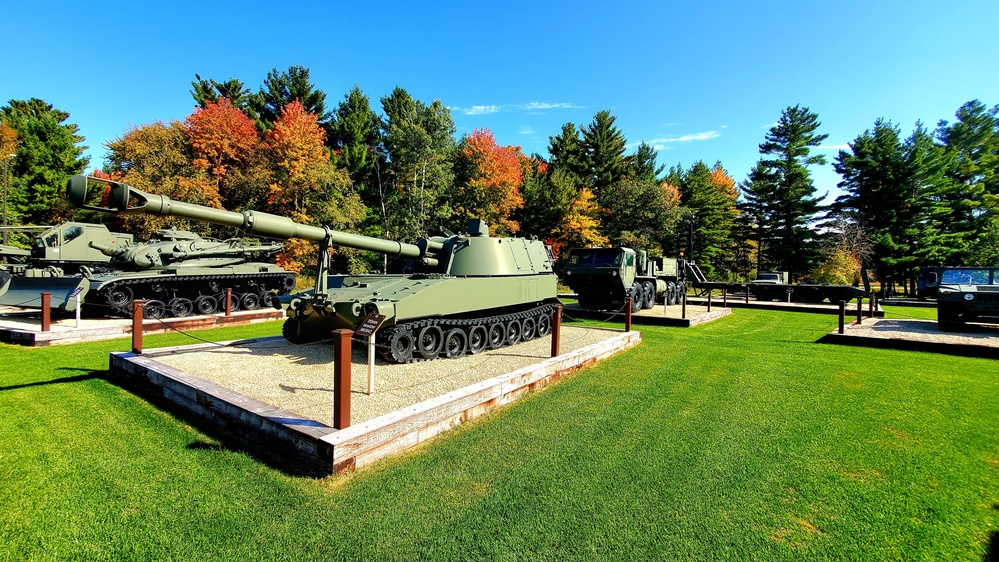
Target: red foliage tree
491, 188
221, 136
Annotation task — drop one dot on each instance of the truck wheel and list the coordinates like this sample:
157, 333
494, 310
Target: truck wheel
650, 294
949, 319
637, 297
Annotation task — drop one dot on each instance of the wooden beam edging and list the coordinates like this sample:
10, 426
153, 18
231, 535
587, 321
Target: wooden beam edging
257, 425
397, 431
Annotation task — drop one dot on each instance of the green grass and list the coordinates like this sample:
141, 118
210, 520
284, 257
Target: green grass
741, 439
910, 312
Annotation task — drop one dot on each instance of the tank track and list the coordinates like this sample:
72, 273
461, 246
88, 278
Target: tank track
429, 338
192, 294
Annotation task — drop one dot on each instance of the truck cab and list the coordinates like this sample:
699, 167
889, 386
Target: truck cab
967, 294
601, 276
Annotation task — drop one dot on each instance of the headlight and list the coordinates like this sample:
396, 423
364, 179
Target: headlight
969, 297
614, 273
568, 273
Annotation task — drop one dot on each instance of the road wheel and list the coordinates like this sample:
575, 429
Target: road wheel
455, 343
206, 304
430, 341
400, 346
514, 331
181, 307
544, 325
528, 329
496, 335
478, 339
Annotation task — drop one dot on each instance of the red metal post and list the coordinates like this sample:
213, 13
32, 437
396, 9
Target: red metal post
556, 330
842, 316
627, 315
46, 312
137, 326
870, 305
341, 378
860, 310
228, 302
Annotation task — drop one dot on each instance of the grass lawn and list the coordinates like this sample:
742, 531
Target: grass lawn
741, 439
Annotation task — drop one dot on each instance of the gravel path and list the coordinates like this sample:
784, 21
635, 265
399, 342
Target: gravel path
299, 378
923, 330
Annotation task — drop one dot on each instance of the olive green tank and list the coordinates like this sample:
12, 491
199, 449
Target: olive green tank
462, 294
177, 273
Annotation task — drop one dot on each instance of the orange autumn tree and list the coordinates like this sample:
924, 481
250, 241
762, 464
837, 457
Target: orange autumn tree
154, 158
221, 136
488, 183
307, 187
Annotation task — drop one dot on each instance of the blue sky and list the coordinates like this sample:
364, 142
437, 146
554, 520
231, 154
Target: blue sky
699, 80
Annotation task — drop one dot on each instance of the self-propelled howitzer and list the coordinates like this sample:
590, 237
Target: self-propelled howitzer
464, 293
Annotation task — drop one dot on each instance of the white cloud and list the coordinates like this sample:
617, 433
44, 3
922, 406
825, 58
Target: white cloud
706, 135
482, 109
542, 105
530, 106
526, 130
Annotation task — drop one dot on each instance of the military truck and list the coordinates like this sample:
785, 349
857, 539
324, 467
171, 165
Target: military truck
604, 278
967, 294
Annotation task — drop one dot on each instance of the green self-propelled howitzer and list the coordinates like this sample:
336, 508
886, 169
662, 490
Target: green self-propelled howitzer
462, 293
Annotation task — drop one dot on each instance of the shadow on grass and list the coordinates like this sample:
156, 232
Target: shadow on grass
64, 380
992, 548
273, 454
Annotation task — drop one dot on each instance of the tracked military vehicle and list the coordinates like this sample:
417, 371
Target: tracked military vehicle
177, 272
461, 294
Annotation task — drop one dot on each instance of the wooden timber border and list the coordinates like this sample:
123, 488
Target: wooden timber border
119, 328
315, 448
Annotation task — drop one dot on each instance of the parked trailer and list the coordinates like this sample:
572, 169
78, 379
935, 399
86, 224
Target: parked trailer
604, 278
773, 286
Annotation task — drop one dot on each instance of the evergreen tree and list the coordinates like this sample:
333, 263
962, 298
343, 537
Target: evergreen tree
355, 137
708, 200
791, 206
419, 145
210, 91
49, 151
548, 199
971, 147
566, 152
642, 165
603, 157
757, 220
282, 88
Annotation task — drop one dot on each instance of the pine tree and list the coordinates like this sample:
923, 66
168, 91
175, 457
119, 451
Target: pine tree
603, 157
49, 151
282, 88
790, 203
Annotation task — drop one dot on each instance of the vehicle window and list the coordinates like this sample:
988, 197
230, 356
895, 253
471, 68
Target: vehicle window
52, 240
965, 277
72, 233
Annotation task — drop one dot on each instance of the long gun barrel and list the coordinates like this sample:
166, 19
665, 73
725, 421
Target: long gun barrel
127, 199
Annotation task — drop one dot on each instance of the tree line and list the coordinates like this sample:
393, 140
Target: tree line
927, 199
